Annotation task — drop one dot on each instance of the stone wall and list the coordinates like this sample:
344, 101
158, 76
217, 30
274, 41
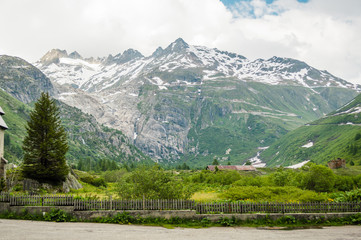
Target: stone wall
187, 214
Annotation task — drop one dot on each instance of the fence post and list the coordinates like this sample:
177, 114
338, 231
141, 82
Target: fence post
143, 202
111, 202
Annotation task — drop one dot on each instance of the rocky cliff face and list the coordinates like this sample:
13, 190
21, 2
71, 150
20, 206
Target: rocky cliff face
22, 80
195, 103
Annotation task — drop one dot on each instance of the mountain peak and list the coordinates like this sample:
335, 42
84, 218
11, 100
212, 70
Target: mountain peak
53, 56
158, 52
128, 55
75, 55
177, 46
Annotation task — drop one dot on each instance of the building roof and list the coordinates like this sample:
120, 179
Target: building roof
3, 124
2, 111
232, 167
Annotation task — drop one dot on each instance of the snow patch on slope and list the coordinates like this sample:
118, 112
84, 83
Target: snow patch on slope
308, 145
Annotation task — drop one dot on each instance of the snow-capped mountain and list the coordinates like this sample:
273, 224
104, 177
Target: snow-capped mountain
97, 75
177, 101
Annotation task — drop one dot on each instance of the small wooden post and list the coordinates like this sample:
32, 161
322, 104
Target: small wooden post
111, 202
143, 202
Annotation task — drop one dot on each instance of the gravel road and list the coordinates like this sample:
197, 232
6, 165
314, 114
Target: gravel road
28, 230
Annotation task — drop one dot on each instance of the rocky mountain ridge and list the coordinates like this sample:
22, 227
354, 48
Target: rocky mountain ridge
173, 103
21, 83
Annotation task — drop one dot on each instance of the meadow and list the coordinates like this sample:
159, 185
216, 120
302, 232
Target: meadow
311, 183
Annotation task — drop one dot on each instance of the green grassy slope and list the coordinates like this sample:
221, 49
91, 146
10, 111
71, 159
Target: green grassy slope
229, 119
338, 135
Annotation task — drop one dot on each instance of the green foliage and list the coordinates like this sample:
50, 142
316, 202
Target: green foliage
92, 179
344, 183
151, 183
215, 162
227, 222
332, 136
318, 178
119, 218
183, 166
286, 220
252, 181
114, 175
217, 177
57, 215
349, 196
357, 136
89, 164
46, 144
2, 184
272, 194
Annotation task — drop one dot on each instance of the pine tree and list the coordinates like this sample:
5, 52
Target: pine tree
46, 144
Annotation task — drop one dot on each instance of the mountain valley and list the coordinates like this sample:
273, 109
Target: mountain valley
189, 103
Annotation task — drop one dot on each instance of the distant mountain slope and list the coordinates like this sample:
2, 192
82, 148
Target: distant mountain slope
193, 103
338, 135
87, 138
22, 80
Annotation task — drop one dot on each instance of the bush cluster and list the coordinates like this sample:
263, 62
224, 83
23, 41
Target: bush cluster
95, 181
151, 183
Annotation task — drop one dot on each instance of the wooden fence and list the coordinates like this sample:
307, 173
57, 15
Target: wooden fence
41, 200
201, 208
146, 204
310, 207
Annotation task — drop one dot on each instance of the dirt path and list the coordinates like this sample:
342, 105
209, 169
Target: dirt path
27, 230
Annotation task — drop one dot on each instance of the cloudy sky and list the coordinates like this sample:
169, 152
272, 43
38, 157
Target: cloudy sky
324, 33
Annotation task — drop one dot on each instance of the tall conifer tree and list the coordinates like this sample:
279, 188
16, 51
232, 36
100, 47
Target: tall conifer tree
46, 144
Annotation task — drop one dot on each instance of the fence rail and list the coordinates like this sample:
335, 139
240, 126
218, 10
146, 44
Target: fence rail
309, 207
201, 208
147, 204
4, 197
48, 200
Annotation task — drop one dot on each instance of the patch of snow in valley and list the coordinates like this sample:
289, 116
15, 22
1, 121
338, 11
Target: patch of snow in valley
256, 161
162, 87
353, 110
298, 165
158, 80
308, 145
349, 124
228, 151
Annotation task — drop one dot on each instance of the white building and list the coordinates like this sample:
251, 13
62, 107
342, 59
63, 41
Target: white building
3, 161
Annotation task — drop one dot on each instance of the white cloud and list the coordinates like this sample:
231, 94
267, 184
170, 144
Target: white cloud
325, 34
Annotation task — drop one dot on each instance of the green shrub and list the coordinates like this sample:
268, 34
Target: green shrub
318, 178
224, 177
114, 175
287, 219
95, 181
152, 183
57, 215
349, 196
252, 181
344, 183
272, 194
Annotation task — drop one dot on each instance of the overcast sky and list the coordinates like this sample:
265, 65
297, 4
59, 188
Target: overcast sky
324, 33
